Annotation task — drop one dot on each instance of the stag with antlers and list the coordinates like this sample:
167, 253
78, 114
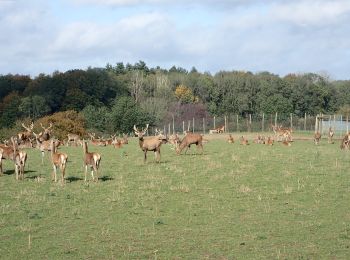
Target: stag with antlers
22, 137
188, 140
91, 160
46, 135
150, 144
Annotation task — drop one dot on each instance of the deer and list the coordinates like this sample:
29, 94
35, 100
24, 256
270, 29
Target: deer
23, 136
345, 143
18, 157
96, 141
330, 135
73, 138
244, 141
91, 160
230, 139
46, 135
317, 138
44, 145
150, 144
58, 160
188, 140
269, 141
174, 140
125, 139
286, 143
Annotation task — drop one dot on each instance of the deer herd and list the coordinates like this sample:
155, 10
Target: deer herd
44, 141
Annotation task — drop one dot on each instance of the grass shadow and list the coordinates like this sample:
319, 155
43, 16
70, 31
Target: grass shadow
105, 178
73, 179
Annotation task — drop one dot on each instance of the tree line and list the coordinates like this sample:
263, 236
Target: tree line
114, 98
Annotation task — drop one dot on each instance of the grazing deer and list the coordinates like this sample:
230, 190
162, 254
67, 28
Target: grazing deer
91, 160
230, 139
243, 141
73, 138
317, 138
58, 160
330, 136
188, 140
150, 144
24, 136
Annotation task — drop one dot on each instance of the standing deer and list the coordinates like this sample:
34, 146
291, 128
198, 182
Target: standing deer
230, 139
58, 160
317, 138
91, 160
24, 136
44, 145
73, 138
330, 136
150, 144
18, 157
188, 140
46, 135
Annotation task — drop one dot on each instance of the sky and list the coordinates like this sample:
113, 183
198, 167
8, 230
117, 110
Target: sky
279, 36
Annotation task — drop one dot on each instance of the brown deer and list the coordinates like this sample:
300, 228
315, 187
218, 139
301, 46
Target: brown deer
188, 140
117, 143
46, 135
244, 141
230, 139
18, 157
91, 160
44, 145
174, 140
317, 138
24, 136
96, 141
73, 138
345, 143
125, 139
58, 160
286, 143
330, 136
269, 141
150, 144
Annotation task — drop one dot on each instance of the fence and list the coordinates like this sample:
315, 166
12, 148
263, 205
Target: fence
258, 123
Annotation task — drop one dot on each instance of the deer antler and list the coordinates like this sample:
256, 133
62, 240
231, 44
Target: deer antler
29, 129
135, 129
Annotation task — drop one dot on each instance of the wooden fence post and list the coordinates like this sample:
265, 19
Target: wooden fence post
262, 124
276, 120
305, 123
225, 124
203, 125
183, 126
237, 123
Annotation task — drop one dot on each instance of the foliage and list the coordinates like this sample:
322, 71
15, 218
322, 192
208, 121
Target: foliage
64, 123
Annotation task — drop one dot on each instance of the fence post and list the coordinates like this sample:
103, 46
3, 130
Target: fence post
250, 122
262, 124
341, 125
237, 123
276, 120
214, 123
183, 126
305, 123
169, 128
225, 124
291, 121
173, 125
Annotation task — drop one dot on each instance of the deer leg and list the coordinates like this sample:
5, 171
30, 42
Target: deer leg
16, 170
145, 158
42, 157
54, 172
86, 172
63, 168
96, 171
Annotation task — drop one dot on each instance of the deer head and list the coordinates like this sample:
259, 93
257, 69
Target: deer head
141, 133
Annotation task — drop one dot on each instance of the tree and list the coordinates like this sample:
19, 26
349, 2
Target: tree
34, 107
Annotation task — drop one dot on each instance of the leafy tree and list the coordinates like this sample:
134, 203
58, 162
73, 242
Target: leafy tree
10, 112
34, 107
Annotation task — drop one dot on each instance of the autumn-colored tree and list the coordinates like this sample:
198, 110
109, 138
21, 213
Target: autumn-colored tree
64, 123
185, 95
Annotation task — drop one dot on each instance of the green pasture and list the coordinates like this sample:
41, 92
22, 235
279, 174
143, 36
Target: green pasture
232, 202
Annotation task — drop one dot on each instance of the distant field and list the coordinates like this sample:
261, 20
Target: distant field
233, 202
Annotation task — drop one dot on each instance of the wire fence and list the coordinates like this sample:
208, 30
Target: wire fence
258, 123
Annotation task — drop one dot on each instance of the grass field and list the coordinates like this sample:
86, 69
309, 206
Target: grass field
233, 202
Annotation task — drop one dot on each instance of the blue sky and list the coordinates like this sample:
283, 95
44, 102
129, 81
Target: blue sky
278, 36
